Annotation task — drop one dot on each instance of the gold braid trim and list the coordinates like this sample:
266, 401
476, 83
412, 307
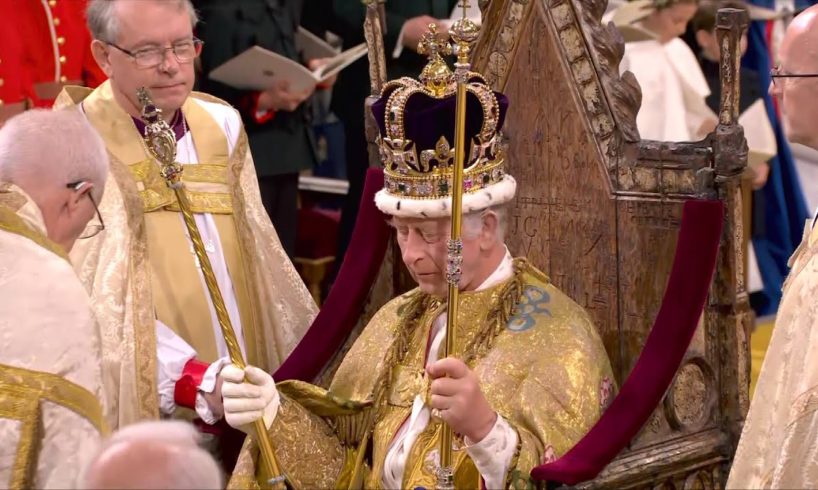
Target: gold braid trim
352, 429
24, 406
358, 428
21, 394
412, 310
56, 389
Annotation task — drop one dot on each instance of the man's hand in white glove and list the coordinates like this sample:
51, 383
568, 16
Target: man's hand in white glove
248, 396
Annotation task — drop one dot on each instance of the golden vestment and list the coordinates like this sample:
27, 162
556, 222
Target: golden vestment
141, 268
779, 442
538, 356
51, 418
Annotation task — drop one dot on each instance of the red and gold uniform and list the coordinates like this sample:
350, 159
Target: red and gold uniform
43, 45
15, 81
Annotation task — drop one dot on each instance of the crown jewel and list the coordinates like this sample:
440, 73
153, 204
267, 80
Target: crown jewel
416, 119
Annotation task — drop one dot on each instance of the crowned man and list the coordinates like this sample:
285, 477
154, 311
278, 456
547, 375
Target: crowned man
529, 375
51, 415
155, 310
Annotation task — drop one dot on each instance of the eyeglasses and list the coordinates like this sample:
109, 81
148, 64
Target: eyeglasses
184, 52
776, 73
92, 229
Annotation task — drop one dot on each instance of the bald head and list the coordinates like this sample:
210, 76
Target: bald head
154, 455
800, 43
797, 87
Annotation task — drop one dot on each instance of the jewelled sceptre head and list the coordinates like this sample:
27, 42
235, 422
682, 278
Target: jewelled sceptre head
160, 140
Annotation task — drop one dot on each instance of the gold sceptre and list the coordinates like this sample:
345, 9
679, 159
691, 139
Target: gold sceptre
161, 144
464, 33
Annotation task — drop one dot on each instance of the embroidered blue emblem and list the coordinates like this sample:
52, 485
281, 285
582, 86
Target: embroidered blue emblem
534, 301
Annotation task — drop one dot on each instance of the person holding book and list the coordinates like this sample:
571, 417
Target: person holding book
277, 119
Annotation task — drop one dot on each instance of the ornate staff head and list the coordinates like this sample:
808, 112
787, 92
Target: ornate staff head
160, 139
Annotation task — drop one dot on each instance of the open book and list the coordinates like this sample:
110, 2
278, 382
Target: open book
310, 46
258, 68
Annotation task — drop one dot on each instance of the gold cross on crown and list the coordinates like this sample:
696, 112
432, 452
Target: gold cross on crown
432, 45
436, 75
465, 5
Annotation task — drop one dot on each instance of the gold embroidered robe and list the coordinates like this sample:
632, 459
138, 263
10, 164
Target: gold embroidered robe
779, 442
51, 417
141, 268
541, 365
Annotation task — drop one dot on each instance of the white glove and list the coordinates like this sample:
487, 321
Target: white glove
246, 401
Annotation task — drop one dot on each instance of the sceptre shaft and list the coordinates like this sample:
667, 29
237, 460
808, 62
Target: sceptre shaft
464, 33
161, 144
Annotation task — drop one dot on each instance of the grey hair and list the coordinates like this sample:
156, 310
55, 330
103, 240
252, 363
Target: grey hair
102, 20
43, 150
182, 463
473, 222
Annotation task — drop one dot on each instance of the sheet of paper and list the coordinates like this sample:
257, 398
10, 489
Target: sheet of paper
341, 61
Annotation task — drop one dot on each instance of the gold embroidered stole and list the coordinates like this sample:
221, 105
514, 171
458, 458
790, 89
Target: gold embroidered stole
408, 381
21, 393
10, 221
179, 298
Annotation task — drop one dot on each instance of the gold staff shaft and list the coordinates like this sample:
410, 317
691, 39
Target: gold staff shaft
455, 251
233, 349
464, 33
161, 144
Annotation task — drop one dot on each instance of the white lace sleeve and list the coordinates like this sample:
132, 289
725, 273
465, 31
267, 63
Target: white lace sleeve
172, 353
492, 456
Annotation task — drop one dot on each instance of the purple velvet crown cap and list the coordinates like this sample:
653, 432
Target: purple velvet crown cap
426, 118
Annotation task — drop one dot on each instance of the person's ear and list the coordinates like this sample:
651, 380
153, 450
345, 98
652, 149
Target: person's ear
102, 54
488, 232
72, 204
75, 198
